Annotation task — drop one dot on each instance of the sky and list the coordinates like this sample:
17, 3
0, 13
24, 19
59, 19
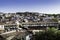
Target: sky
41, 6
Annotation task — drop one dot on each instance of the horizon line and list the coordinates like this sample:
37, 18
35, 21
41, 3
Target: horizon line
31, 12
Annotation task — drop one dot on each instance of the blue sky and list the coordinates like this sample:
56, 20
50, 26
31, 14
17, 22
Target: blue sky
42, 6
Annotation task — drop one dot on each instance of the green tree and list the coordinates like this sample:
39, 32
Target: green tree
49, 34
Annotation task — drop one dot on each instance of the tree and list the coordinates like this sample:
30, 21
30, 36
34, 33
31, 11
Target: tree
50, 34
55, 19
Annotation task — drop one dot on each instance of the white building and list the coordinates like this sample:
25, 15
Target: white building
1, 28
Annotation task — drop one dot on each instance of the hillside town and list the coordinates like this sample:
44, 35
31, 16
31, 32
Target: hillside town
27, 22
28, 17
